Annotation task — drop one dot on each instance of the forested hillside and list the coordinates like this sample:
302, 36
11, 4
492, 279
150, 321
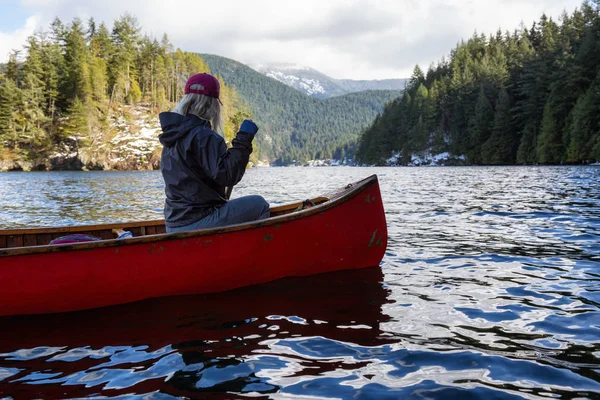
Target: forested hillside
294, 126
527, 97
82, 96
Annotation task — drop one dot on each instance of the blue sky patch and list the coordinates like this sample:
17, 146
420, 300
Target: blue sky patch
12, 15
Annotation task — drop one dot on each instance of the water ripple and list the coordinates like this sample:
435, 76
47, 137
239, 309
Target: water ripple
489, 289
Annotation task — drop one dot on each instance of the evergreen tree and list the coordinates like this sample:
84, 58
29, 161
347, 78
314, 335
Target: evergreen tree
77, 82
11, 70
480, 126
52, 61
8, 104
78, 125
30, 119
417, 78
549, 148
526, 154
585, 126
499, 148
125, 39
101, 44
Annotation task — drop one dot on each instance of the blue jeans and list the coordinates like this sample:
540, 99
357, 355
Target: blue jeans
236, 211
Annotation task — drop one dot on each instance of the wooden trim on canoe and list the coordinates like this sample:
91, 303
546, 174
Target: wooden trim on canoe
275, 211
81, 228
287, 208
282, 214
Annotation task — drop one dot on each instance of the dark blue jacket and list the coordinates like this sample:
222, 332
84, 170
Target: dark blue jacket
197, 166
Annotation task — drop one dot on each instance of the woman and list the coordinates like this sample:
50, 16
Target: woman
197, 166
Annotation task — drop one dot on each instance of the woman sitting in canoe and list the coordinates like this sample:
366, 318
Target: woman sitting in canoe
197, 166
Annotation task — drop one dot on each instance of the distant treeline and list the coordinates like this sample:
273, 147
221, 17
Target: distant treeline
67, 81
527, 97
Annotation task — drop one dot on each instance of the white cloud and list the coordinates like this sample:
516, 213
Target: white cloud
343, 38
15, 40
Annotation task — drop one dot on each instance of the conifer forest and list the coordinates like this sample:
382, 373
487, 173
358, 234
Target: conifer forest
531, 96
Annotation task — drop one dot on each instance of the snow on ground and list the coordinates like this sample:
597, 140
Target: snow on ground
426, 159
135, 141
326, 163
262, 164
434, 160
393, 160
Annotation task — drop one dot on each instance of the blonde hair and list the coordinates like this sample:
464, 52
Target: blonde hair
202, 106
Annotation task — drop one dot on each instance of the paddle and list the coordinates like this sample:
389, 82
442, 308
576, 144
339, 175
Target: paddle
248, 127
228, 191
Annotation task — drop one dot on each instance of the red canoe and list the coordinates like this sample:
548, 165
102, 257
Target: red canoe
345, 230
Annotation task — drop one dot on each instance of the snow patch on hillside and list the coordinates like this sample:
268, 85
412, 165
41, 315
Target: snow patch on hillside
308, 86
317, 84
136, 140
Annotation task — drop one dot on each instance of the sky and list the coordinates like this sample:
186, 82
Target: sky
350, 39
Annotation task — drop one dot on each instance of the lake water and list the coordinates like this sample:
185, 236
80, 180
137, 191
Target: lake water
490, 288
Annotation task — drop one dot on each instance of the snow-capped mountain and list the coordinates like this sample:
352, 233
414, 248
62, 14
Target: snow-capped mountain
314, 83
304, 79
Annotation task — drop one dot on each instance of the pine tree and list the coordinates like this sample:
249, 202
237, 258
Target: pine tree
549, 147
149, 51
526, 154
125, 39
78, 125
52, 63
11, 69
30, 118
417, 78
584, 130
8, 102
480, 127
98, 79
77, 59
499, 148
420, 111
101, 44
161, 79
581, 129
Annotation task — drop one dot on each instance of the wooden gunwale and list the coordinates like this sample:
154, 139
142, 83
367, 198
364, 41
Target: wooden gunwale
349, 192
138, 224
81, 228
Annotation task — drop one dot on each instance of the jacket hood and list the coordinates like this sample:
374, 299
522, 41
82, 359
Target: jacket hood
175, 126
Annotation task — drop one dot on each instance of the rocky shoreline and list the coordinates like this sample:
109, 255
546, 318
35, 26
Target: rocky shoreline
130, 144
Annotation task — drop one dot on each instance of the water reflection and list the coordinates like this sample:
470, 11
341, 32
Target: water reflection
194, 344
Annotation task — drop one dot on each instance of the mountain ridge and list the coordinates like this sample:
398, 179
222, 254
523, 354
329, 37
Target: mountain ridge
296, 127
314, 83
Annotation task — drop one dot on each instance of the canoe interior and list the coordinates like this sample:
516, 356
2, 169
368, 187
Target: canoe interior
17, 238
